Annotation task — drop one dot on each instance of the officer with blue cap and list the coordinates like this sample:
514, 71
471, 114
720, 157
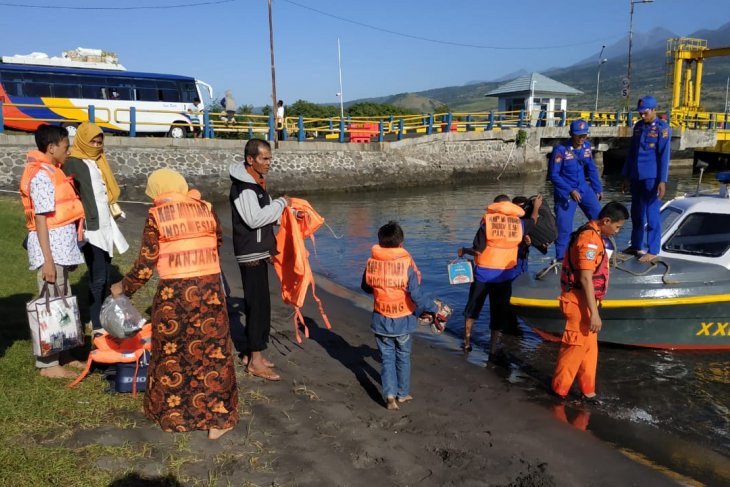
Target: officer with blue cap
570, 163
645, 172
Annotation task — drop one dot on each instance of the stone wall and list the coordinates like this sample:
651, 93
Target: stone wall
308, 166
317, 166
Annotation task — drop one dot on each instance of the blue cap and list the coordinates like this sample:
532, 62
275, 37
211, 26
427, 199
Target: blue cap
646, 103
579, 127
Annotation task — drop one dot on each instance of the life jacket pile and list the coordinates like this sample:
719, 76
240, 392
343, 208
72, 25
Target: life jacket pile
292, 260
568, 275
68, 208
188, 238
111, 350
503, 229
387, 273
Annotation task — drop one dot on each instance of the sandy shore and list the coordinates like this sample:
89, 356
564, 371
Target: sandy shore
325, 423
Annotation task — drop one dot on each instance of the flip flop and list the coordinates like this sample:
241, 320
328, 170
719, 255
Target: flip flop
264, 373
267, 362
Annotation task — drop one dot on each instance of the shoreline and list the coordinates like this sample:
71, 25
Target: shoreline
325, 423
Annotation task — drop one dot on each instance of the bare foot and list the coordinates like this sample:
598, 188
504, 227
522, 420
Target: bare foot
647, 258
392, 405
263, 372
56, 372
266, 362
405, 398
75, 364
215, 433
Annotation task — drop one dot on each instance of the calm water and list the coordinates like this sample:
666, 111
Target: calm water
671, 407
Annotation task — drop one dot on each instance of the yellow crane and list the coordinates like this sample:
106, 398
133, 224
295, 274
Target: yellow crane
687, 55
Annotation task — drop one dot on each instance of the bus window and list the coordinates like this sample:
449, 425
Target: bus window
168, 91
146, 90
92, 87
92, 92
189, 91
36, 84
65, 86
12, 82
66, 91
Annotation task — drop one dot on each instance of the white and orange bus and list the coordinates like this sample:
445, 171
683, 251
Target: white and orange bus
115, 99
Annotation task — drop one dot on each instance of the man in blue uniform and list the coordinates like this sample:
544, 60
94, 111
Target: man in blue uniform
570, 163
646, 171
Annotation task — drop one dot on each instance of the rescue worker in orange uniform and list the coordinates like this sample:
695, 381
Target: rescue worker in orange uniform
393, 279
495, 247
584, 282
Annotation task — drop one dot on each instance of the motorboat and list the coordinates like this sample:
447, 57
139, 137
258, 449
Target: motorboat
681, 300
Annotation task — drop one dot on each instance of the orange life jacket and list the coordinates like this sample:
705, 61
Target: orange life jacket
111, 350
188, 238
291, 263
387, 273
568, 276
68, 208
503, 229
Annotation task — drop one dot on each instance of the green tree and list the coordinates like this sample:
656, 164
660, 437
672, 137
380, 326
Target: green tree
370, 109
308, 109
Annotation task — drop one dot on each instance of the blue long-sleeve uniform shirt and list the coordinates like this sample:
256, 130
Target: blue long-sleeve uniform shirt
392, 327
569, 167
648, 156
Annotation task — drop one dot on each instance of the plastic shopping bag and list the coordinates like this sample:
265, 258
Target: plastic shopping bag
55, 324
120, 318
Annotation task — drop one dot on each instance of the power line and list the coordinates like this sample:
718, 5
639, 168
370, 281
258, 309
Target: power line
448, 43
144, 7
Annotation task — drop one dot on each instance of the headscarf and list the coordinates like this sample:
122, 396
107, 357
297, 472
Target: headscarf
165, 180
82, 149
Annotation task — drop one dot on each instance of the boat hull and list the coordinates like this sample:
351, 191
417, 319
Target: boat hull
685, 308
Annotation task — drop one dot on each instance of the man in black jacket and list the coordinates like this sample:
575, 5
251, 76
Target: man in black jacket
254, 214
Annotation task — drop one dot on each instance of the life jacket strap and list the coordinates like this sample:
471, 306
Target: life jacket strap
84, 373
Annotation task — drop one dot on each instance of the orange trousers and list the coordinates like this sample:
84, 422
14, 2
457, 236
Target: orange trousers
579, 348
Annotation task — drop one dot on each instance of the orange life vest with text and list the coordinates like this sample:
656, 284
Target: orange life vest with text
68, 208
291, 263
503, 229
188, 238
387, 273
110, 350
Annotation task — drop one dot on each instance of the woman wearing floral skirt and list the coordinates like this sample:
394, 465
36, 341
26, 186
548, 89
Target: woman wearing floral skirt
191, 382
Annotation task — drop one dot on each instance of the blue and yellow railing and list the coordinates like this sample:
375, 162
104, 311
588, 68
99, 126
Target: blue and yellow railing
357, 128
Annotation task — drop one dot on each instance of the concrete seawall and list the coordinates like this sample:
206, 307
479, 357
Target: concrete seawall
308, 166
331, 166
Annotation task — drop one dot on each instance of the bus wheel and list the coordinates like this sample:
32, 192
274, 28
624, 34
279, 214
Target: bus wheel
71, 127
177, 132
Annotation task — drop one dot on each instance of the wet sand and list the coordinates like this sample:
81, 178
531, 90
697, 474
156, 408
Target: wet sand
325, 423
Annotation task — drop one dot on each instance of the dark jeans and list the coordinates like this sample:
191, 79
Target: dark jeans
256, 305
98, 263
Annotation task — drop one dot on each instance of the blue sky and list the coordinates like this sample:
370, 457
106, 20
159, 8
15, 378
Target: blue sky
226, 42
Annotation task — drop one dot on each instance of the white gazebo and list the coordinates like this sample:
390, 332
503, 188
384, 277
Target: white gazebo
534, 93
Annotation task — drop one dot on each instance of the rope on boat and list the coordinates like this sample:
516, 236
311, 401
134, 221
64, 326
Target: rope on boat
665, 279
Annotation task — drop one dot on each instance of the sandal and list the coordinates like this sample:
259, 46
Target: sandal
268, 363
264, 373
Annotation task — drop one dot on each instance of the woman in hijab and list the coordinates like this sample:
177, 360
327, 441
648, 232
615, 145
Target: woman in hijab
98, 190
191, 383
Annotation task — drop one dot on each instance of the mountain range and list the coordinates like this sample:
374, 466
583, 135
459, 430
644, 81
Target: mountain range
650, 74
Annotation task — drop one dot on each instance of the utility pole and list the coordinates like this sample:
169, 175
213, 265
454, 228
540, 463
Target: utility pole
601, 61
341, 94
273, 74
631, 39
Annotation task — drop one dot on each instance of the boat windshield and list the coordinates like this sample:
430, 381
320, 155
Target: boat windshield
669, 216
703, 234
